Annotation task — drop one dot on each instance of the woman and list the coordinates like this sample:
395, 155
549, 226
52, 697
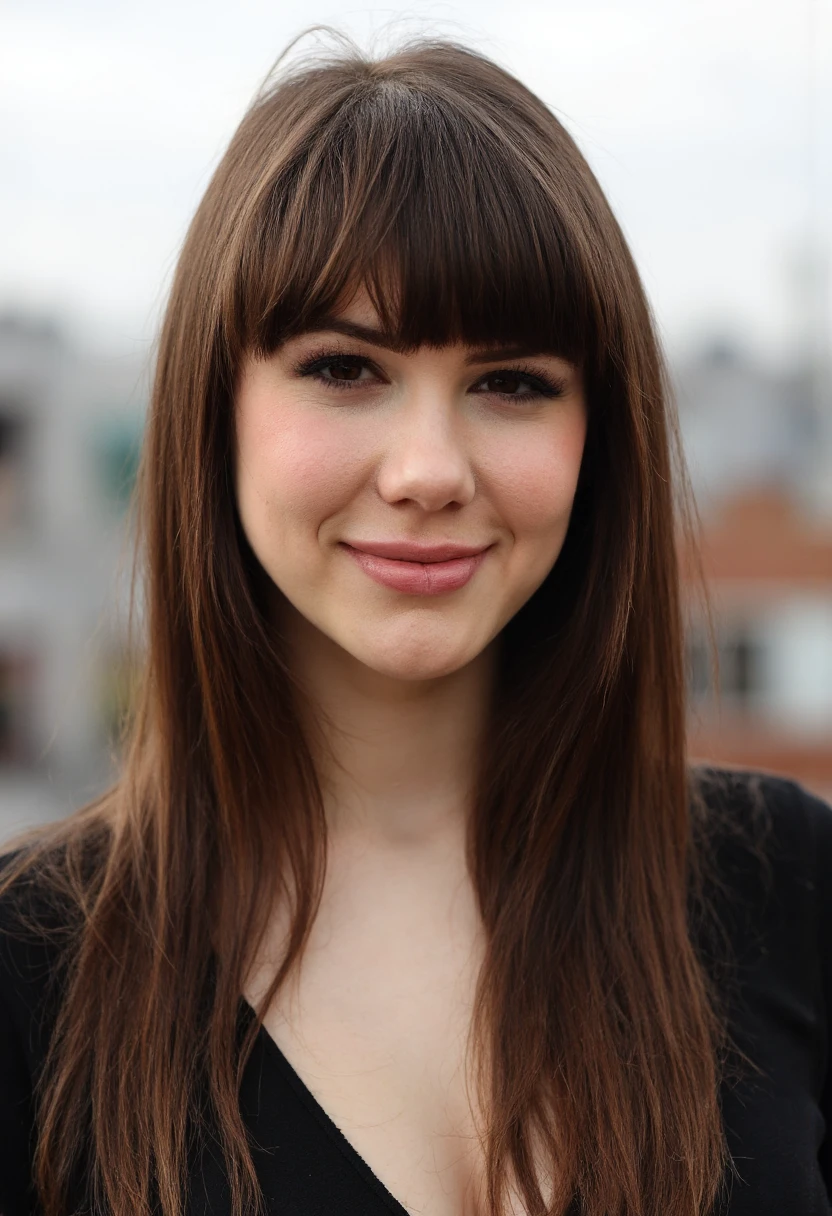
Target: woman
406, 899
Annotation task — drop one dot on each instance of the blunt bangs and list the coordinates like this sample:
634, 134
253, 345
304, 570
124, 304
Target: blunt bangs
454, 230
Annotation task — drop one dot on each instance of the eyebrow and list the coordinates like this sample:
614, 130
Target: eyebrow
379, 337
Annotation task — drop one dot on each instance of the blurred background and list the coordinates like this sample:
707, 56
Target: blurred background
709, 125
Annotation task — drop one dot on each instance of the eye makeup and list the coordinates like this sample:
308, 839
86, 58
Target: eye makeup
534, 384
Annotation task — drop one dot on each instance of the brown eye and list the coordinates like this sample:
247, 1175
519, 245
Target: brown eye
337, 371
505, 382
521, 384
340, 370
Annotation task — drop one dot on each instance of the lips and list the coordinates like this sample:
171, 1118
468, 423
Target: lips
417, 569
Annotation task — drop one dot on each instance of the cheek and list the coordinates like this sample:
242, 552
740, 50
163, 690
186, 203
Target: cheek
535, 479
292, 470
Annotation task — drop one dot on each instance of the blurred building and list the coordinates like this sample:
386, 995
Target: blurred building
760, 447
769, 569
746, 423
70, 428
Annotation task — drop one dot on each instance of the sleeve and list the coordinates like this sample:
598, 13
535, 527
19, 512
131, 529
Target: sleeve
822, 819
16, 1100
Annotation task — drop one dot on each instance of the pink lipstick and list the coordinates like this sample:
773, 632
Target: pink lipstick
417, 569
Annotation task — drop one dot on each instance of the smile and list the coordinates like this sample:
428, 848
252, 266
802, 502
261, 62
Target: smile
418, 569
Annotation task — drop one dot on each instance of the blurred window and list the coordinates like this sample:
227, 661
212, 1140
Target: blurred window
117, 451
12, 473
16, 686
742, 673
741, 665
699, 663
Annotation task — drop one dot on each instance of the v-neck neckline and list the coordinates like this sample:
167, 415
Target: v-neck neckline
332, 1130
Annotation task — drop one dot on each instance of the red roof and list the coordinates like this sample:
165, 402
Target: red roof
764, 536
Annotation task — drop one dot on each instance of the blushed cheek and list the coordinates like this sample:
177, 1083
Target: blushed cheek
536, 483
292, 471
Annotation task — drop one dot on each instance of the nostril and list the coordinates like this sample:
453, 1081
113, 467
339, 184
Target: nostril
431, 480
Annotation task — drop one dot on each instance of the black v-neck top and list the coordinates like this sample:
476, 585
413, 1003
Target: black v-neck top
774, 899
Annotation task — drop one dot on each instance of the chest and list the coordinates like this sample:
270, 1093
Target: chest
375, 1023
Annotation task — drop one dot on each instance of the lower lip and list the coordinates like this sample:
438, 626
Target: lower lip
418, 578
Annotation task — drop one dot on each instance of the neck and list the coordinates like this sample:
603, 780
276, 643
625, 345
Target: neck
396, 758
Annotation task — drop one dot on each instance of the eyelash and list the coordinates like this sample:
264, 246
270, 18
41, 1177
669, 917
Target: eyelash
540, 386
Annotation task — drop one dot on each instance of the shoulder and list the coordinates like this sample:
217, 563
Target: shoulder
37, 927
744, 798
768, 879
768, 949
765, 827
33, 932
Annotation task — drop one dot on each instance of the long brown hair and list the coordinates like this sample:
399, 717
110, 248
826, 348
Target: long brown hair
441, 183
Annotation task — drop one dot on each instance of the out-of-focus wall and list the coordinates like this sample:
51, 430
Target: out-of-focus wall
70, 430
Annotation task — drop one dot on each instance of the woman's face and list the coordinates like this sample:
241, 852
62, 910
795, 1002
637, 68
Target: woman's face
406, 505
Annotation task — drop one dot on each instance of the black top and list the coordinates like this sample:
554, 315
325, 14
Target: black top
775, 901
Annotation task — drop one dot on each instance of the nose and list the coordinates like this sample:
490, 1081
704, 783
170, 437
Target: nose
426, 461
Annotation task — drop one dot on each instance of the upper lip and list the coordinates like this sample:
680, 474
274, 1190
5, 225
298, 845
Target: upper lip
413, 551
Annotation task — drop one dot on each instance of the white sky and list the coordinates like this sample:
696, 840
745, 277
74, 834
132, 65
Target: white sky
708, 122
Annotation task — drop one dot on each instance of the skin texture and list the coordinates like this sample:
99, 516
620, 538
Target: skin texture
419, 446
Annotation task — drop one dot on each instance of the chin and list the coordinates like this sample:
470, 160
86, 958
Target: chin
414, 658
